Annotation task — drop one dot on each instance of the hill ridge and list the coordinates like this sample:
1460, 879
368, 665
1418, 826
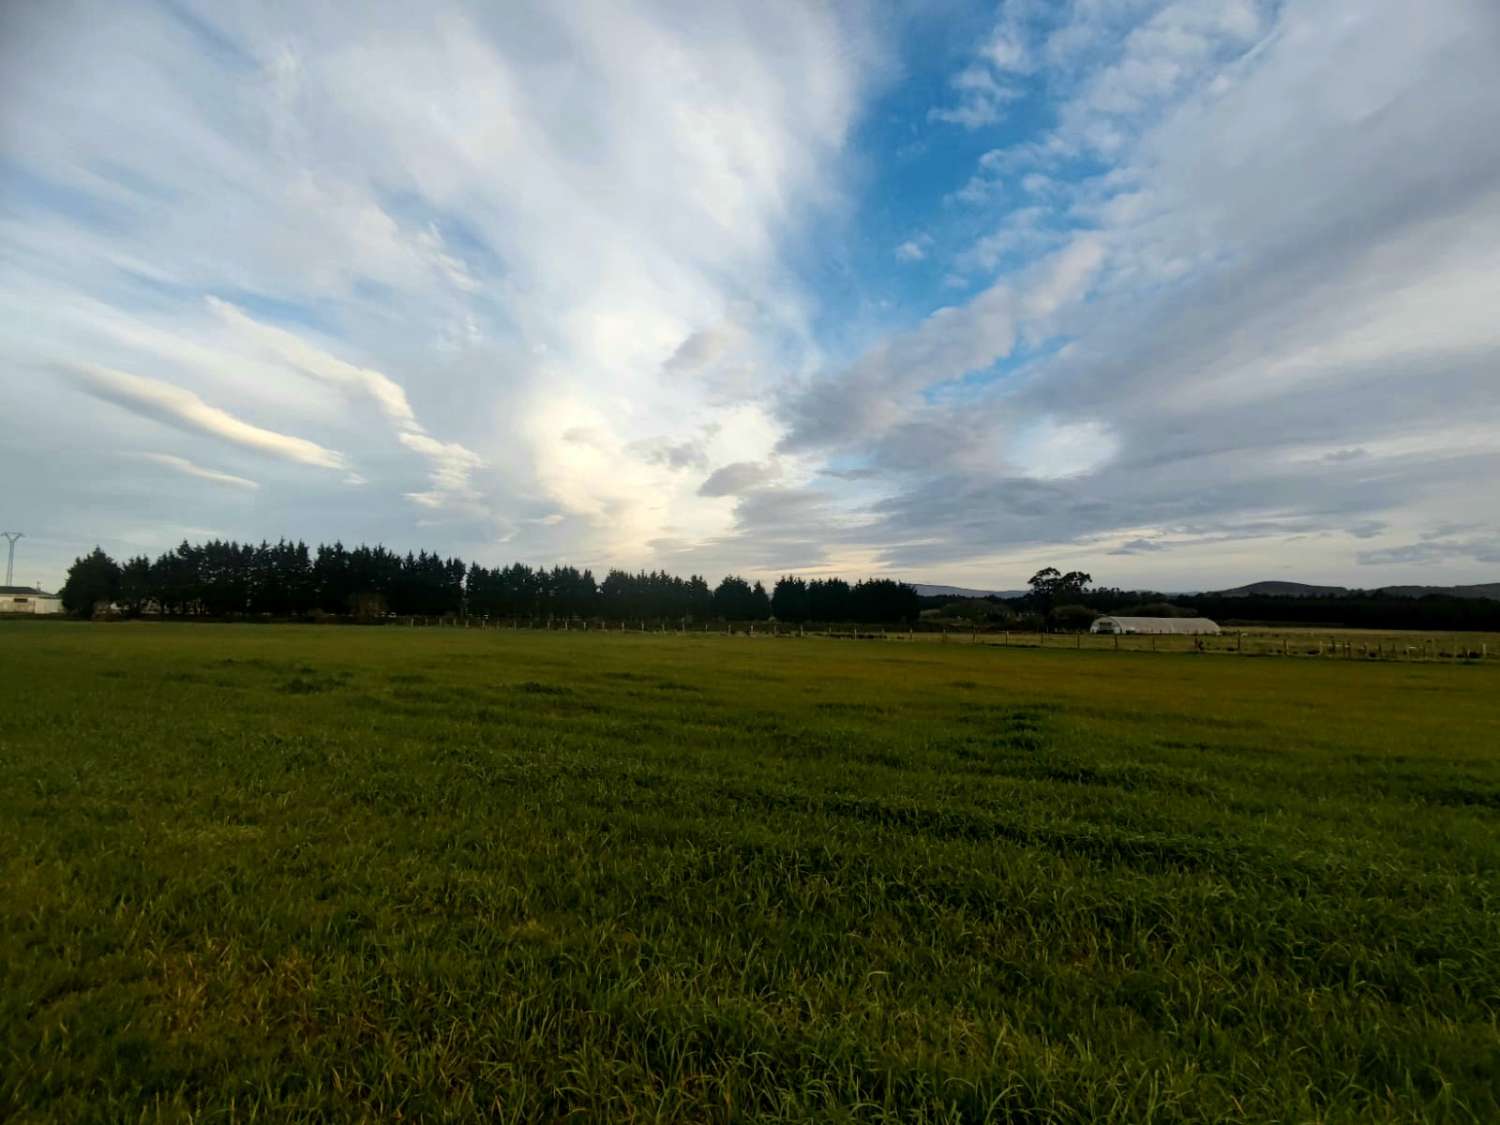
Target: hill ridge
1277, 588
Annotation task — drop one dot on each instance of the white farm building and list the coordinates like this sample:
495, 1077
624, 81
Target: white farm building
1188, 626
23, 599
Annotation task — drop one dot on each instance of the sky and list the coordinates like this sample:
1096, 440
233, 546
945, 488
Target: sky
1184, 294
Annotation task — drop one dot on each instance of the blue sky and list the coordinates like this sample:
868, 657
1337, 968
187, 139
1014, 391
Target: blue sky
1184, 294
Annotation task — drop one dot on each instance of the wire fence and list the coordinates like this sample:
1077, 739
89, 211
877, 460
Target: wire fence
1335, 644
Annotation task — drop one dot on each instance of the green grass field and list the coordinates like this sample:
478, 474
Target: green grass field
277, 873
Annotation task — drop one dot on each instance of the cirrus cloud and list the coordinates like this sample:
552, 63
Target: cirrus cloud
182, 409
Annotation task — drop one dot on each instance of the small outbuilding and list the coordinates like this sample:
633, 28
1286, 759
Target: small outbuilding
24, 599
1182, 626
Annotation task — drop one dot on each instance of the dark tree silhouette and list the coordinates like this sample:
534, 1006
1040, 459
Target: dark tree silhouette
828, 600
1050, 587
92, 579
735, 600
135, 591
223, 578
789, 600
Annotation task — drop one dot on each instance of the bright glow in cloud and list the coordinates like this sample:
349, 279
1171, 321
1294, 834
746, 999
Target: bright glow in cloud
1048, 450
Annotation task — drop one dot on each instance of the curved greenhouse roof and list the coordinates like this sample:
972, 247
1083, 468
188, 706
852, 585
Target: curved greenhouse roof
1181, 625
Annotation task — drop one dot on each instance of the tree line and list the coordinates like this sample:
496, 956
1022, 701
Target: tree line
222, 578
1356, 609
1070, 602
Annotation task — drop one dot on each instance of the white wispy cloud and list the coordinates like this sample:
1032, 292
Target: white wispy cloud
451, 465
181, 408
980, 98
914, 249
187, 468
880, 390
292, 350
452, 469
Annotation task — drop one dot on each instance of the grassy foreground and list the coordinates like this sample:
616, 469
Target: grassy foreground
340, 873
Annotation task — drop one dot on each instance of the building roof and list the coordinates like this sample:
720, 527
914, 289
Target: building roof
24, 591
1162, 624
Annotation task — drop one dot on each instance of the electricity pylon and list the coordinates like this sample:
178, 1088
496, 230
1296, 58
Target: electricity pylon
10, 561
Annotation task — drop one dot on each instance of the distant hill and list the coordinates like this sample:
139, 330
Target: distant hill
1282, 590
1478, 590
1271, 589
927, 590
1303, 590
